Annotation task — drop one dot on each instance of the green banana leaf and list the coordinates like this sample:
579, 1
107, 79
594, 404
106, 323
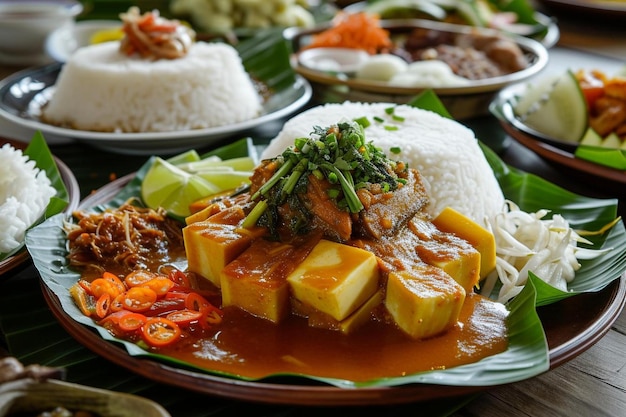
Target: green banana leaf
38, 151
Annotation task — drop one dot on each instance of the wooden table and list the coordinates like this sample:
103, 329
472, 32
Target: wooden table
592, 384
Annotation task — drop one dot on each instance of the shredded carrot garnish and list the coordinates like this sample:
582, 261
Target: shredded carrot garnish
356, 31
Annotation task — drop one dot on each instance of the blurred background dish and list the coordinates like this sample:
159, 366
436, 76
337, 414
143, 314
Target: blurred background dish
25, 25
560, 152
38, 390
462, 101
518, 18
62, 42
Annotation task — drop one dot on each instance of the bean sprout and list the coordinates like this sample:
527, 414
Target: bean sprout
526, 242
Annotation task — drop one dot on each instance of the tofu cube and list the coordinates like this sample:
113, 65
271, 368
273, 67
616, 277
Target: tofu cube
335, 278
457, 257
451, 221
256, 281
423, 301
317, 319
211, 246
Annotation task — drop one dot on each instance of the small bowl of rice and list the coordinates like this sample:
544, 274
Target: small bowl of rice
25, 192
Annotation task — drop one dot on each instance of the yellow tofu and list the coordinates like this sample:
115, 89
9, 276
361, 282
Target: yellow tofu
335, 279
317, 319
210, 246
454, 255
362, 314
204, 213
256, 281
204, 202
423, 301
451, 221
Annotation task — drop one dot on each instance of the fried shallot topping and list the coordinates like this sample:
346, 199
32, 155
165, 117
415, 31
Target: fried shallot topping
152, 36
129, 237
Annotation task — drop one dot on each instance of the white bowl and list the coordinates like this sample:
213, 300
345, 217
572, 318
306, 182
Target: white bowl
64, 41
26, 24
334, 60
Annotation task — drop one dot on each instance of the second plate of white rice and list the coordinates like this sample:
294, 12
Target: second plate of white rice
23, 94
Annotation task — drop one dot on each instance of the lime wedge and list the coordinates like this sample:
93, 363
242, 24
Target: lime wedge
244, 163
167, 186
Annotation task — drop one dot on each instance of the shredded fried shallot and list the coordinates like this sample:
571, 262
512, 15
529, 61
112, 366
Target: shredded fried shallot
152, 36
129, 236
526, 242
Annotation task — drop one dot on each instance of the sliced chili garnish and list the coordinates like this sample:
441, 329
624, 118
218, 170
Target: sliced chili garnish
138, 277
195, 301
160, 285
85, 285
84, 301
101, 286
114, 317
184, 317
117, 304
160, 332
212, 314
114, 279
103, 304
164, 306
139, 299
131, 321
179, 278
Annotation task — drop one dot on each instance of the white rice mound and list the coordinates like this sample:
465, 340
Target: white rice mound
25, 192
102, 89
454, 169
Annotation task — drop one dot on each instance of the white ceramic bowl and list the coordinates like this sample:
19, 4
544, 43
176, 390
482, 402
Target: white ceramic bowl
26, 24
65, 40
340, 60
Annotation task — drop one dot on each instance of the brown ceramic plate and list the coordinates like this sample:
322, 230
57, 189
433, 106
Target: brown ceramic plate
562, 157
554, 151
73, 191
571, 325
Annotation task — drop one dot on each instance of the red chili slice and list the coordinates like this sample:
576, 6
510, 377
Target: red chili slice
160, 332
184, 317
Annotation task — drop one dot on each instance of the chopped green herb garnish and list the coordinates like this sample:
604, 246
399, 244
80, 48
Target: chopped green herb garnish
338, 154
379, 119
390, 110
390, 127
398, 118
395, 149
363, 121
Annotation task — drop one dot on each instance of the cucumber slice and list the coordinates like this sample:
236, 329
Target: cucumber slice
612, 141
562, 114
591, 138
534, 95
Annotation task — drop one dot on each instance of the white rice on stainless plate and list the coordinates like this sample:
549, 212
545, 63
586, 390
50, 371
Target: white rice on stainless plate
446, 153
102, 89
25, 192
